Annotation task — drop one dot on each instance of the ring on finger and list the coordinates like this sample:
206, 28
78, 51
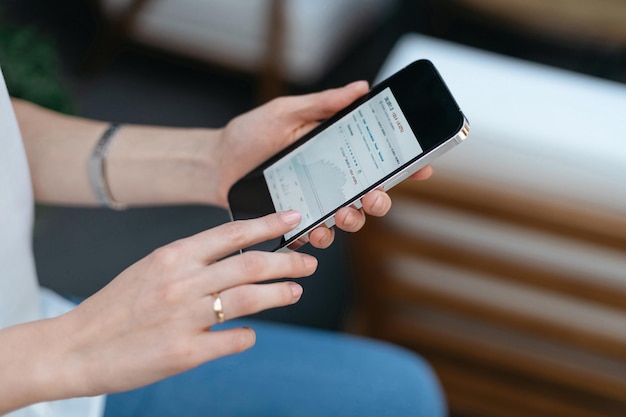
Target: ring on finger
217, 307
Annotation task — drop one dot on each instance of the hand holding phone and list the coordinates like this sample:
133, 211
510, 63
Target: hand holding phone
400, 126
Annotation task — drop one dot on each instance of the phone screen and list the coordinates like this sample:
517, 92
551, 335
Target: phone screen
403, 123
343, 160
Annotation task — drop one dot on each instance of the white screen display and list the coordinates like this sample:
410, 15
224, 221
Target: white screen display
342, 161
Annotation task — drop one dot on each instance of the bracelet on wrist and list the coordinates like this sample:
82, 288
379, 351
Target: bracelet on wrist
97, 169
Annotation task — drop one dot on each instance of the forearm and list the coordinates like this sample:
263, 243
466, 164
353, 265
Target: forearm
145, 165
33, 366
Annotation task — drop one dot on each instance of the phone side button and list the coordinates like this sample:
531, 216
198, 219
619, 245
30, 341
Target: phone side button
395, 180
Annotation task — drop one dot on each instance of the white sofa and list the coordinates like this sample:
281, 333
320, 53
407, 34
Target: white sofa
533, 127
508, 268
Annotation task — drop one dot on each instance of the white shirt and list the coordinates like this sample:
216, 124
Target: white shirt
21, 298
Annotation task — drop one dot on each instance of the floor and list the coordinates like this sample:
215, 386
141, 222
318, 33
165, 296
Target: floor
79, 250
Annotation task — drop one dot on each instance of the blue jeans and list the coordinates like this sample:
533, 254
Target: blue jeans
293, 371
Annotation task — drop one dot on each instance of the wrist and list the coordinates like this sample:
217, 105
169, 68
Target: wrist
37, 364
157, 166
61, 372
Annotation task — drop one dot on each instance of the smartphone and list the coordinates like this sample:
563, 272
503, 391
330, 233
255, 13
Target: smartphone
400, 126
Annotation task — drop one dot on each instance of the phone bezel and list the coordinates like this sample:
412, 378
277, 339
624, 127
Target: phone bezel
431, 134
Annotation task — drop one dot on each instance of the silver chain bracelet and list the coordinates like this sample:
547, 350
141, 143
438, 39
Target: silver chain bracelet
97, 169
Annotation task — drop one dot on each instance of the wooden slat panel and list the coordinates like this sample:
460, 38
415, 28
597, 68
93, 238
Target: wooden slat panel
482, 374
588, 340
495, 354
385, 242
478, 393
538, 212
598, 20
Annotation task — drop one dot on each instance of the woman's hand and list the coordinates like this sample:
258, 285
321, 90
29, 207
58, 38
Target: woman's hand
251, 138
155, 319
149, 165
375, 203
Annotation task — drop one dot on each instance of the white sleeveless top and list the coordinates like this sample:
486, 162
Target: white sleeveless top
21, 298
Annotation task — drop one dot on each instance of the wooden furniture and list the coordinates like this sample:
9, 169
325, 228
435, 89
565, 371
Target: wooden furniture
594, 21
281, 41
507, 270
510, 333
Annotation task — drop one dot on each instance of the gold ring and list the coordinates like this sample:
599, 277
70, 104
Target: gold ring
217, 307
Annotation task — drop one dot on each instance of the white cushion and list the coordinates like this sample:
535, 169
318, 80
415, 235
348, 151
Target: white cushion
235, 32
533, 127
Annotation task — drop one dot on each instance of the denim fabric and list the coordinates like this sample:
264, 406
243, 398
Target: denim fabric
294, 371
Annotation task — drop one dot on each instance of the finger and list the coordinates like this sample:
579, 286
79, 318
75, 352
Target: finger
245, 300
322, 105
423, 174
322, 237
376, 203
214, 244
249, 299
299, 242
255, 266
349, 219
216, 344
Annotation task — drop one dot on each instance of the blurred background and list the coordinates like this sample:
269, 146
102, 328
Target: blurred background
506, 271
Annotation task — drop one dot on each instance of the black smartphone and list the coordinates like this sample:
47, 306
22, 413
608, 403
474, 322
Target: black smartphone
400, 126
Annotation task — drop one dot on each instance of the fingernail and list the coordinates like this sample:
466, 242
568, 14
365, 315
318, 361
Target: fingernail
327, 239
351, 220
291, 217
378, 205
310, 261
358, 83
296, 290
